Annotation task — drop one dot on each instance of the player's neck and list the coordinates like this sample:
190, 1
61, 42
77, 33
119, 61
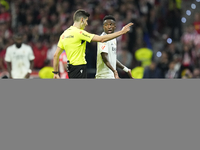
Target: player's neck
77, 24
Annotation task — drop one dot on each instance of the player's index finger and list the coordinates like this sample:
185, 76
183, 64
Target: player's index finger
130, 24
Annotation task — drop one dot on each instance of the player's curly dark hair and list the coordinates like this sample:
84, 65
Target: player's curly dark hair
108, 17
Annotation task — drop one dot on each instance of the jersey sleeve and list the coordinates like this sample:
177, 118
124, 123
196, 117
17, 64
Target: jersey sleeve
103, 47
8, 55
31, 55
60, 44
84, 35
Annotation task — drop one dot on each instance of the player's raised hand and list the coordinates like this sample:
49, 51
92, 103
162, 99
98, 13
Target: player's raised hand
56, 76
126, 28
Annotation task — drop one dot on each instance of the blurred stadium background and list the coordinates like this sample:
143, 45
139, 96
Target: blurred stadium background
163, 43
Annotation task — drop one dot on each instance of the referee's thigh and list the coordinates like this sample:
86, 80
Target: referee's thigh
78, 72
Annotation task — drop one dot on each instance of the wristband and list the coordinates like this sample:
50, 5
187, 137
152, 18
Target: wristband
29, 71
55, 72
125, 69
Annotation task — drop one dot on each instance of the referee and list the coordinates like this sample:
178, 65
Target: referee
73, 41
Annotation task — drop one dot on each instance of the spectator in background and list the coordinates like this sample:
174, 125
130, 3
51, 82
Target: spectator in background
52, 49
172, 50
2, 55
196, 54
196, 73
138, 71
177, 61
171, 73
144, 55
46, 71
5, 16
63, 66
186, 74
125, 57
189, 35
163, 64
19, 58
196, 22
152, 71
174, 18
40, 52
187, 59
5, 31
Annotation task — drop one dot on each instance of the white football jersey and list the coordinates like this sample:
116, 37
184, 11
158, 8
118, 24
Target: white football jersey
110, 47
20, 59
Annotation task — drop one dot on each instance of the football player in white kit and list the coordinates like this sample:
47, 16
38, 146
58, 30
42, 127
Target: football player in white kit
106, 54
19, 58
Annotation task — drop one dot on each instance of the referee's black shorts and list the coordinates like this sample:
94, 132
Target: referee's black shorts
77, 71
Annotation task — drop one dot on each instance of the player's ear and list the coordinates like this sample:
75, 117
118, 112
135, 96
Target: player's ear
82, 20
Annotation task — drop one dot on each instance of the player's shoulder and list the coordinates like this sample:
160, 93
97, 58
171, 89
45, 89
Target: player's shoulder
26, 45
10, 48
72, 29
102, 43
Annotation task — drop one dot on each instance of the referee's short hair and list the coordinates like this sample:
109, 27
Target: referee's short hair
108, 17
80, 14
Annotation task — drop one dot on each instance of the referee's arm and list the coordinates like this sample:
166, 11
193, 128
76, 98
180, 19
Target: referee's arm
108, 37
56, 58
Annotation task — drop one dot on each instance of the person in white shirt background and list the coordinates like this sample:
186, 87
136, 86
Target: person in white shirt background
19, 58
106, 54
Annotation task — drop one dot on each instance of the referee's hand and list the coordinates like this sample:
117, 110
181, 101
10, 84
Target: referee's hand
56, 76
126, 28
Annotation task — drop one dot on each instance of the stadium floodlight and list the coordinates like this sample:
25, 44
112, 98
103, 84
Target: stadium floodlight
183, 19
198, 0
193, 6
188, 12
158, 54
169, 40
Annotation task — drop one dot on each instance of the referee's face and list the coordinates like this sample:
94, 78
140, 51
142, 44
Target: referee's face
84, 23
109, 26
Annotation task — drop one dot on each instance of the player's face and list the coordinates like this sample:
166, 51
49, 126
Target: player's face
109, 26
84, 23
18, 41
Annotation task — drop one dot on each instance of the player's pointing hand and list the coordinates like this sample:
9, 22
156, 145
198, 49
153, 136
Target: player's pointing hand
126, 28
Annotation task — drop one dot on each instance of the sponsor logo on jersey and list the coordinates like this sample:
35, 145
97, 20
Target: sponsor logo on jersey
103, 47
86, 35
69, 36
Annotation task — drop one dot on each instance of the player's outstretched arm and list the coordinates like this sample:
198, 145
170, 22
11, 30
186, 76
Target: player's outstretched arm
108, 37
119, 65
56, 61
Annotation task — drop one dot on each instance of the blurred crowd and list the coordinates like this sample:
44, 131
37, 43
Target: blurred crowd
42, 22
